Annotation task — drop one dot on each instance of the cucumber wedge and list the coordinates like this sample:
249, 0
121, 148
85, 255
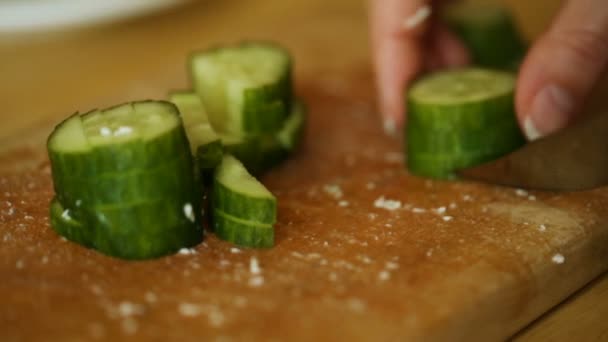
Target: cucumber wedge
291, 133
238, 194
246, 88
205, 144
458, 119
241, 232
490, 34
124, 176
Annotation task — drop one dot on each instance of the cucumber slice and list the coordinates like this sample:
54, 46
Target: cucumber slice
290, 135
204, 141
458, 119
245, 88
237, 193
241, 232
124, 175
489, 32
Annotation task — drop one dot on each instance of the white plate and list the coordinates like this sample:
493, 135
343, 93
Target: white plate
36, 15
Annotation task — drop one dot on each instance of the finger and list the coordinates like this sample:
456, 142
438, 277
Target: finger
562, 68
396, 30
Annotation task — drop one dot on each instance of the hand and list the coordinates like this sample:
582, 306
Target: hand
407, 39
554, 81
562, 68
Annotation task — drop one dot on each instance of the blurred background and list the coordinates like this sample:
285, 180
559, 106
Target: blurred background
61, 56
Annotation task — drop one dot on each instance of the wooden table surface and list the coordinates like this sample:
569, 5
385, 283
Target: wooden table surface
46, 76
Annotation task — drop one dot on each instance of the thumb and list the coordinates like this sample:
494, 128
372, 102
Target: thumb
562, 68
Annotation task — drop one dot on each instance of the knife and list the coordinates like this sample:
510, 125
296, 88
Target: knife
570, 160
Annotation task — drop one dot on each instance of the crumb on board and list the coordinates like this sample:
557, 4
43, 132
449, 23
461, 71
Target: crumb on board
254, 266
558, 258
186, 251
384, 275
189, 309
333, 190
343, 203
387, 204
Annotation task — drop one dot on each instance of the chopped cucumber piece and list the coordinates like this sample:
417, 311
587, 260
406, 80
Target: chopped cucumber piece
241, 232
205, 144
290, 135
128, 183
458, 119
245, 88
237, 193
489, 32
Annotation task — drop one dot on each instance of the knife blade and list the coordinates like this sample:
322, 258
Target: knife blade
570, 160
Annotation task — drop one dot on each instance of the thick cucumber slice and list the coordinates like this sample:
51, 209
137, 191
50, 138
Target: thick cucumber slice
125, 175
241, 232
458, 119
237, 193
490, 33
245, 88
290, 135
204, 141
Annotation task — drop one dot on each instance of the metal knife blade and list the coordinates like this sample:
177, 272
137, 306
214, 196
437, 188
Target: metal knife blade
573, 159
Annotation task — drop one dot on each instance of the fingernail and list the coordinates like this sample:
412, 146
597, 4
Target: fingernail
390, 127
551, 111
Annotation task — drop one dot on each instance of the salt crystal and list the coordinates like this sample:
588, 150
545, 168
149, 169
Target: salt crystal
372, 216
418, 210
11, 211
387, 204
189, 212
105, 131
542, 227
447, 218
521, 192
467, 198
391, 265
558, 258
126, 309
66, 214
440, 210
216, 318
123, 130
532, 198
325, 243
256, 281
384, 275
333, 190
150, 297
452, 205
28, 217
186, 251
189, 309
235, 250
343, 203
297, 254
254, 266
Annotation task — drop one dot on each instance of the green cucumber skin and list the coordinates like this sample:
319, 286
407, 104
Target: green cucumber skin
499, 45
291, 134
159, 182
208, 156
444, 138
264, 107
71, 229
129, 197
145, 230
240, 233
115, 159
258, 210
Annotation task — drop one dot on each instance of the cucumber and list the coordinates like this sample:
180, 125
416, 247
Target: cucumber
489, 32
246, 88
238, 194
205, 144
124, 175
65, 224
242, 232
460, 118
291, 133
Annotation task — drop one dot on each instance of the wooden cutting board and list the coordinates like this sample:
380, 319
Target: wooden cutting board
364, 251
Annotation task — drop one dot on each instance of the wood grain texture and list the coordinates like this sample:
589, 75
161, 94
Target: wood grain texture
60, 291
